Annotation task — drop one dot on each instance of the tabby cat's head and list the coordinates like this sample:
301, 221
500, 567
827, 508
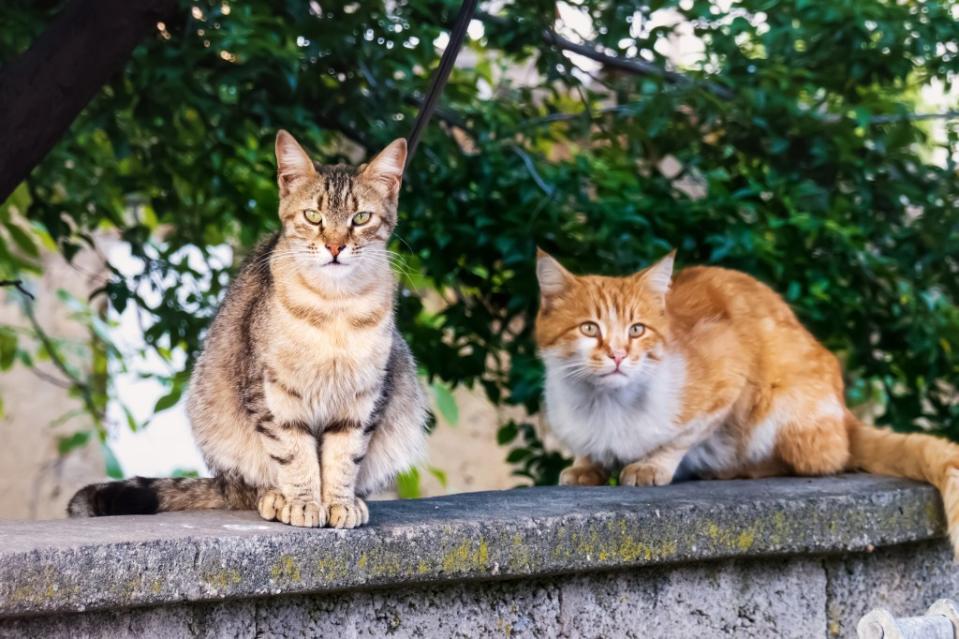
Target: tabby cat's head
337, 219
606, 331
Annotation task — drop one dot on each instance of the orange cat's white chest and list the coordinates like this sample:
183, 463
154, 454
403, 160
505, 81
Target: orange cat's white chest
615, 426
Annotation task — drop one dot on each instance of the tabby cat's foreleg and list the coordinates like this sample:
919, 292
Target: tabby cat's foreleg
292, 446
343, 450
297, 497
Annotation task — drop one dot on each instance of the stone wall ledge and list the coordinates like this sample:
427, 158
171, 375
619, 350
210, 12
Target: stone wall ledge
121, 562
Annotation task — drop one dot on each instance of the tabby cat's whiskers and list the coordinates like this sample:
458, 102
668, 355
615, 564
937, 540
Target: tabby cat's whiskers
305, 398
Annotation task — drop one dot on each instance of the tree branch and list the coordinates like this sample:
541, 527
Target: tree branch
914, 117
827, 118
546, 188
628, 65
17, 284
44, 89
51, 349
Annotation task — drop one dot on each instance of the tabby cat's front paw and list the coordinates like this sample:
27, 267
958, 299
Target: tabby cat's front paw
295, 512
306, 514
270, 504
645, 474
347, 515
583, 476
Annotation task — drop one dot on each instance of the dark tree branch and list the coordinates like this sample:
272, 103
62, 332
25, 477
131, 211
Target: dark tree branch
546, 188
632, 65
827, 118
43, 90
627, 65
914, 117
17, 284
50, 379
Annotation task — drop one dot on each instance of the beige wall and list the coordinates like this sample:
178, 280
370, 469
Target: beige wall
468, 452
35, 483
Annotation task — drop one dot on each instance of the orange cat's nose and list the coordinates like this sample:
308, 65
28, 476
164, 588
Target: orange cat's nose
617, 356
334, 249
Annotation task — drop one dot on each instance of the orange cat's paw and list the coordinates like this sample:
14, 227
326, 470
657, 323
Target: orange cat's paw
583, 476
645, 474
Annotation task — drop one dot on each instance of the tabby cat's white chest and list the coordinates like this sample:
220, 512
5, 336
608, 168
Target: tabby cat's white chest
617, 426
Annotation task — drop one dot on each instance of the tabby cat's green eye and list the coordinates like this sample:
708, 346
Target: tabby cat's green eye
361, 218
313, 216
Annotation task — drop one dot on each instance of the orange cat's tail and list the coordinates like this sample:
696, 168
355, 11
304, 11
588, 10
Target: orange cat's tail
914, 456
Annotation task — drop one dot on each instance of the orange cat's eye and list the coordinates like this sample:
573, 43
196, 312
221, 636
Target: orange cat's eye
589, 329
313, 216
637, 330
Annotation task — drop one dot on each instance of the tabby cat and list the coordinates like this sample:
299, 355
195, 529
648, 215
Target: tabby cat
709, 375
305, 398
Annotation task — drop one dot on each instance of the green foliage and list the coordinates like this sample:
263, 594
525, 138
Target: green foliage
446, 403
817, 178
408, 482
114, 471
529, 456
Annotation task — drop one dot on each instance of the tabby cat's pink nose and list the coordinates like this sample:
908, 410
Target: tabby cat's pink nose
334, 249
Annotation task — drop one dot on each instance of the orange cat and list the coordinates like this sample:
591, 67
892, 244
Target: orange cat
707, 375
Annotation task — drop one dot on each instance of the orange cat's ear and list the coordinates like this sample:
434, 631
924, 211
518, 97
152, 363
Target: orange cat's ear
659, 276
553, 278
292, 162
387, 167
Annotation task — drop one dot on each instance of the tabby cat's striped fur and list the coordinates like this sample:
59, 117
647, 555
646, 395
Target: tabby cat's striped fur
305, 398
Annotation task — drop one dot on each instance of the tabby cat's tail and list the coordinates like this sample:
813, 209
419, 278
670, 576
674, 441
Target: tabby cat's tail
146, 496
914, 456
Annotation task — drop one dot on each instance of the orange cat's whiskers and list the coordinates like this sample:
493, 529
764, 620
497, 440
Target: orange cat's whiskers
719, 380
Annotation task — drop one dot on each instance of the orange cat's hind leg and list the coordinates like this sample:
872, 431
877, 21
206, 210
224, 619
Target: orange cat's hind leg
819, 447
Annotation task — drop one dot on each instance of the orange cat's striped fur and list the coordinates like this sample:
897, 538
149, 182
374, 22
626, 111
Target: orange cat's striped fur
709, 374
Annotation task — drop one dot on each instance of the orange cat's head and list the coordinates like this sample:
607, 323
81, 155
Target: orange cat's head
606, 331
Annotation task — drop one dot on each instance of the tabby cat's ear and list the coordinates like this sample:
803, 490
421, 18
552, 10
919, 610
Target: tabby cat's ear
387, 167
659, 276
553, 278
292, 162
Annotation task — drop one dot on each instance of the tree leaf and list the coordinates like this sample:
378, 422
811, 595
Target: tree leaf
506, 433
8, 348
72, 442
169, 400
439, 474
408, 484
111, 463
446, 403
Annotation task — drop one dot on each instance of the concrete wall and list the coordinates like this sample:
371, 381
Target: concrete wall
799, 597
770, 558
